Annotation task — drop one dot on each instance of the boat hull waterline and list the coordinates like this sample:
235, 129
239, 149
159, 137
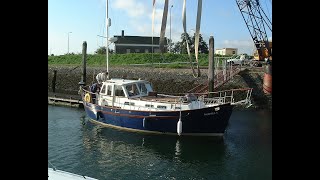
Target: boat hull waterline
209, 121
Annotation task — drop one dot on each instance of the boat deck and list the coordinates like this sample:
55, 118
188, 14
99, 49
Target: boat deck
163, 99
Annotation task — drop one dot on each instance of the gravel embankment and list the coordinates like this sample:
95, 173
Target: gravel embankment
163, 80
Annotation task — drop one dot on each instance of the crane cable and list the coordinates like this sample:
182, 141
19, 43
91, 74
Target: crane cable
196, 38
196, 43
163, 28
153, 12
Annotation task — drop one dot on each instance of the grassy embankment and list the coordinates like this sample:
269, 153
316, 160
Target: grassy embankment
127, 59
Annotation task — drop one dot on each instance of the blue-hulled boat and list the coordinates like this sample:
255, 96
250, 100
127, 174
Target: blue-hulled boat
133, 105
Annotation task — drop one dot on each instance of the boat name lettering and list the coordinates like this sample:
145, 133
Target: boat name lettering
210, 113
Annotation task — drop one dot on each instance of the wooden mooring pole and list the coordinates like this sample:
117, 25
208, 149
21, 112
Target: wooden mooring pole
211, 66
54, 81
84, 62
224, 70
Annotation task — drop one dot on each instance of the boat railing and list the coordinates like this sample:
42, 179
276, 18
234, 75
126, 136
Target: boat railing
53, 167
234, 96
240, 96
129, 104
83, 91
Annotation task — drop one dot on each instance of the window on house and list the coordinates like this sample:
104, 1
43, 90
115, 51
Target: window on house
156, 50
137, 50
128, 50
146, 50
233, 52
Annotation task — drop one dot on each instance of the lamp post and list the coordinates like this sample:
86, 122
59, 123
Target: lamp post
68, 41
170, 28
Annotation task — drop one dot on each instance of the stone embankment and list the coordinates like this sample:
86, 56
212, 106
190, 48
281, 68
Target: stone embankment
163, 80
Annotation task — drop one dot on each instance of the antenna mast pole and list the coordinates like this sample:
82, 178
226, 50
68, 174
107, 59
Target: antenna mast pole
107, 42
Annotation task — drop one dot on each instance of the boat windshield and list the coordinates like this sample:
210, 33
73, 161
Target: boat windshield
141, 89
132, 89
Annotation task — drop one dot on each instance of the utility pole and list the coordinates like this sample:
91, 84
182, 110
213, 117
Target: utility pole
68, 41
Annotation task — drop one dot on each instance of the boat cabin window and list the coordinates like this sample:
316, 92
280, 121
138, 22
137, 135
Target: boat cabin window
148, 105
109, 90
162, 107
148, 87
103, 90
132, 89
118, 90
127, 103
143, 89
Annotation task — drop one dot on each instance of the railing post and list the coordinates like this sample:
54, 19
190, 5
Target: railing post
230, 71
232, 100
247, 96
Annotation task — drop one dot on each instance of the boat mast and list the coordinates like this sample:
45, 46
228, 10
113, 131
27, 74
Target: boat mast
107, 43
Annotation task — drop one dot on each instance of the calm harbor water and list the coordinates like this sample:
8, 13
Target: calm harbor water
76, 145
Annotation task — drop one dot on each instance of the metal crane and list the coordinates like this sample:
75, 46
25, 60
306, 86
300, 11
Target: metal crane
256, 19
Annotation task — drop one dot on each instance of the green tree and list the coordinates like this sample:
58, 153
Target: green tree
203, 46
102, 50
183, 44
170, 46
176, 48
181, 47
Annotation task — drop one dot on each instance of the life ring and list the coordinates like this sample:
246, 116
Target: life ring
87, 97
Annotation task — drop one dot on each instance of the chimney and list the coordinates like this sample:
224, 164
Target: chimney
122, 34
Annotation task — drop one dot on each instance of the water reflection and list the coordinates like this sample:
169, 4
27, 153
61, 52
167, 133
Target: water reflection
184, 148
82, 147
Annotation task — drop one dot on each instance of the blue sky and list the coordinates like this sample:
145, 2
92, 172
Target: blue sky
86, 19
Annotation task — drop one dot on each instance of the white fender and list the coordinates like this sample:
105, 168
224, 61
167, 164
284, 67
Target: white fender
143, 123
179, 127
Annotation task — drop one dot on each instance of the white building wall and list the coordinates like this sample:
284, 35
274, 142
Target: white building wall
227, 51
231, 51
